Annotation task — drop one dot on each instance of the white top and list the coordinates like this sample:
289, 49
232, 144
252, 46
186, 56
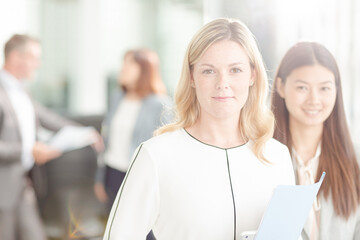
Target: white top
182, 188
306, 174
331, 226
25, 114
122, 127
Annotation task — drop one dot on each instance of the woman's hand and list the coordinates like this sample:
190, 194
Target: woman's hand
100, 192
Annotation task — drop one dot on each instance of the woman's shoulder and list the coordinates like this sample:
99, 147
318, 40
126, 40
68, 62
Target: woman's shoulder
158, 99
166, 146
167, 139
330, 218
273, 144
275, 151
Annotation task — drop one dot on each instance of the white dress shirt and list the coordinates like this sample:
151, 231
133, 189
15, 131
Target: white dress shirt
25, 113
306, 175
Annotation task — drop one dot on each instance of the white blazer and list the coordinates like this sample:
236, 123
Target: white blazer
333, 227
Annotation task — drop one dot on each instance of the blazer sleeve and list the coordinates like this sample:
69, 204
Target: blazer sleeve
136, 206
50, 120
357, 225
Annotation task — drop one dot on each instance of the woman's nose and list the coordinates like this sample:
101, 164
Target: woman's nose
314, 96
222, 81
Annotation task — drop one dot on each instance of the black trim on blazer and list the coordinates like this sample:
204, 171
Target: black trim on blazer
230, 181
214, 145
232, 192
117, 204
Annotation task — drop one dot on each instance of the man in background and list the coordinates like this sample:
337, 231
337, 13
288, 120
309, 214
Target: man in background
20, 151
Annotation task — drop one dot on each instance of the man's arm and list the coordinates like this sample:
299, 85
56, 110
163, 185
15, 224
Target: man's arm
50, 120
54, 122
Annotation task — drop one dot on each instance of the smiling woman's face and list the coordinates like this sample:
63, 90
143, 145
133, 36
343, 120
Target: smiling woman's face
310, 94
222, 78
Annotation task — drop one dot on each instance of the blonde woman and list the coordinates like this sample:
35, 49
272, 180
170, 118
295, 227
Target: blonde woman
211, 173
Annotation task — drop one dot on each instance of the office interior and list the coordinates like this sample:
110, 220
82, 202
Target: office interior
83, 43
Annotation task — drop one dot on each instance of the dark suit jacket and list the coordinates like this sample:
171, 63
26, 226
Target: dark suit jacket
12, 174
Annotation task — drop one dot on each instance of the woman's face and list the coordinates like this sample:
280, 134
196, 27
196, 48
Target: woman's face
129, 73
310, 94
222, 78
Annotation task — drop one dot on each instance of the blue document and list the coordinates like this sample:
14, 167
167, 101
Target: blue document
287, 212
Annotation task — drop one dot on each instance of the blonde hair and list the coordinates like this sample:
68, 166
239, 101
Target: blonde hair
256, 120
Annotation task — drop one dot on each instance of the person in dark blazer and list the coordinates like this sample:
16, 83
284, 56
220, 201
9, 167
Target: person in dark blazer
20, 151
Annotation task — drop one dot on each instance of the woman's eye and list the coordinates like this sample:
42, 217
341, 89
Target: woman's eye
208, 71
301, 88
235, 70
325, 89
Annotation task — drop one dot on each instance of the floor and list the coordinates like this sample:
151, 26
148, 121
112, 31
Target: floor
70, 209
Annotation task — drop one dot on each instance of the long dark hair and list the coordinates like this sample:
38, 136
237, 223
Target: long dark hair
337, 157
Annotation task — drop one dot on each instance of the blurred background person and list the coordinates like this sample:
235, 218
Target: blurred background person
308, 105
20, 151
138, 108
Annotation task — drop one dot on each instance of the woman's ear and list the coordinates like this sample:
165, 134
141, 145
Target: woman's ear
253, 77
192, 82
280, 87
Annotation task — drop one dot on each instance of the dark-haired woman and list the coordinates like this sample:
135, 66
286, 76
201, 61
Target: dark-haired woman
308, 106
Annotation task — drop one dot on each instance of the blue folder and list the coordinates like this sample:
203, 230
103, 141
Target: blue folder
287, 211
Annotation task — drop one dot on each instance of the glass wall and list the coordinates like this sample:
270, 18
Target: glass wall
84, 41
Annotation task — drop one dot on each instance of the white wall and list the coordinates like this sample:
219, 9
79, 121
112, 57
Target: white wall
82, 41
18, 16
